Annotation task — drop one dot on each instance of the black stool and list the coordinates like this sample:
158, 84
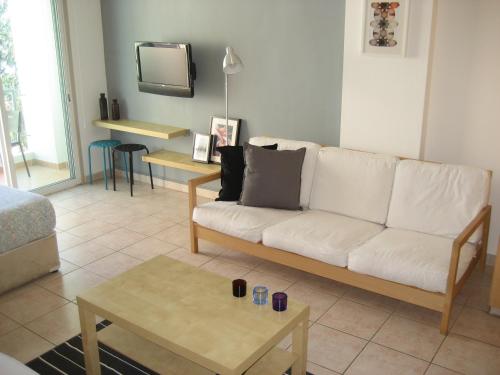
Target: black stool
130, 148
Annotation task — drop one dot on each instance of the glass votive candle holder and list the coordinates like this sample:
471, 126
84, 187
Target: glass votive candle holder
260, 295
279, 301
239, 288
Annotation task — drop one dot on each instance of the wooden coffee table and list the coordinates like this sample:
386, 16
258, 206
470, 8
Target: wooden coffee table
178, 319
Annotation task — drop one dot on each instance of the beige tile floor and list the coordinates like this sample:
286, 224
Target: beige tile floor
40, 176
103, 233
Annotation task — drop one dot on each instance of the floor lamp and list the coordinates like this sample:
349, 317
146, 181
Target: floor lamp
232, 64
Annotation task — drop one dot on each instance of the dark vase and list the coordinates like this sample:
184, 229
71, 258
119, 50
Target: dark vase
103, 106
115, 110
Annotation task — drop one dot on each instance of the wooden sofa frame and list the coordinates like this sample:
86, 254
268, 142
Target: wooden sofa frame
441, 302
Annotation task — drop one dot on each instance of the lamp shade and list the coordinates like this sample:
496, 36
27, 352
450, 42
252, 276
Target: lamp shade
232, 63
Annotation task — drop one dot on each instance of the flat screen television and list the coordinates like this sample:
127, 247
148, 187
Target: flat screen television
165, 68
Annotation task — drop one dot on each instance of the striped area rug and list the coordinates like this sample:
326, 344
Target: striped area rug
67, 358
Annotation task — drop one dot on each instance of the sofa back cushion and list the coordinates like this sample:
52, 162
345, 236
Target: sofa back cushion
353, 183
439, 199
307, 167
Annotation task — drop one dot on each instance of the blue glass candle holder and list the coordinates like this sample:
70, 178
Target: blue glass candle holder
260, 294
280, 301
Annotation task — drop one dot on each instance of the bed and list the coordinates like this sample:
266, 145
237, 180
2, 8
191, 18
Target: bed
28, 245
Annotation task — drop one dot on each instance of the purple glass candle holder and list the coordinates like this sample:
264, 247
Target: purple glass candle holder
239, 288
280, 300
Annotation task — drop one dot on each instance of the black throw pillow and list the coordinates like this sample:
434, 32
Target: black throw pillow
232, 170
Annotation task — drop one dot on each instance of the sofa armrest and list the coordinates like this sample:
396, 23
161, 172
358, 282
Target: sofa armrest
469, 230
482, 218
193, 184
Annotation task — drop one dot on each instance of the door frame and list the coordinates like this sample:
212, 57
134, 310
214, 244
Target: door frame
61, 33
5, 147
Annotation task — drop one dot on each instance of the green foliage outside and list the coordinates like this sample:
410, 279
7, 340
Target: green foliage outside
7, 60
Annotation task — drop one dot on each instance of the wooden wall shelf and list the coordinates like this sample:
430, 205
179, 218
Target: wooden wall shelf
165, 158
143, 128
179, 160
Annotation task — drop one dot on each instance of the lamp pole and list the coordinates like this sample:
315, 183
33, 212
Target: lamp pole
227, 116
231, 65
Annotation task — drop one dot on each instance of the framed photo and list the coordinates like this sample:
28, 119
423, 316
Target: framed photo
385, 27
218, 132
201, 147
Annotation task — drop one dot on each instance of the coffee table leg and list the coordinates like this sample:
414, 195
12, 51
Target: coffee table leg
89, 339
299, 347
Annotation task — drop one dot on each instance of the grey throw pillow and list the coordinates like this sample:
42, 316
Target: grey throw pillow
272, 178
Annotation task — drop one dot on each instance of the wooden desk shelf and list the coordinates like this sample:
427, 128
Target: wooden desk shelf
179, 160
165, 158
148, 353
275, 362
143, 128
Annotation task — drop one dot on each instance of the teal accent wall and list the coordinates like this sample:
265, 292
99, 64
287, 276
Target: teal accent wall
290, 87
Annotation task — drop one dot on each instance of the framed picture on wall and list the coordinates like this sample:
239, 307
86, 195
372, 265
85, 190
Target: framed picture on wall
201, 147
385, 27
218, 132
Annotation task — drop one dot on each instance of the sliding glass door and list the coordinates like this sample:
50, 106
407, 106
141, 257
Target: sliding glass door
39, 137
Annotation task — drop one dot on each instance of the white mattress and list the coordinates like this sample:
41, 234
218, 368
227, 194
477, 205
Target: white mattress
24, 217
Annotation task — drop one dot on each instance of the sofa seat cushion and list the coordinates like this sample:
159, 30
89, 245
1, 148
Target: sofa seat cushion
308, 166
410, 258
353, 183
439, 199
320, 235
239, 221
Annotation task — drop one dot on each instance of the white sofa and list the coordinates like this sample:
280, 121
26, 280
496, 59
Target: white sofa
403, 228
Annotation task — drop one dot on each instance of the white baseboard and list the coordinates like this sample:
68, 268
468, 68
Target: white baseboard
495, 311
96, 176
491, 259
170, 184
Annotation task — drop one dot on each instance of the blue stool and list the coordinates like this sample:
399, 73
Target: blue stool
106, 145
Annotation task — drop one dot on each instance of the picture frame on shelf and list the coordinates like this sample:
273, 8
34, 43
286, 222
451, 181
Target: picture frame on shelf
385, 27
218, 132
201, 147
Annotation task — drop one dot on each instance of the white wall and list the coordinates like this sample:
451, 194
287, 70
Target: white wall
87, 53
383, 98
464, 105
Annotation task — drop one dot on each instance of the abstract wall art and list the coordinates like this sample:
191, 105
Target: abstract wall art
385, 27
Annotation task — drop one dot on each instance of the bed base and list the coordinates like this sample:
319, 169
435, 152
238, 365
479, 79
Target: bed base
28, 262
